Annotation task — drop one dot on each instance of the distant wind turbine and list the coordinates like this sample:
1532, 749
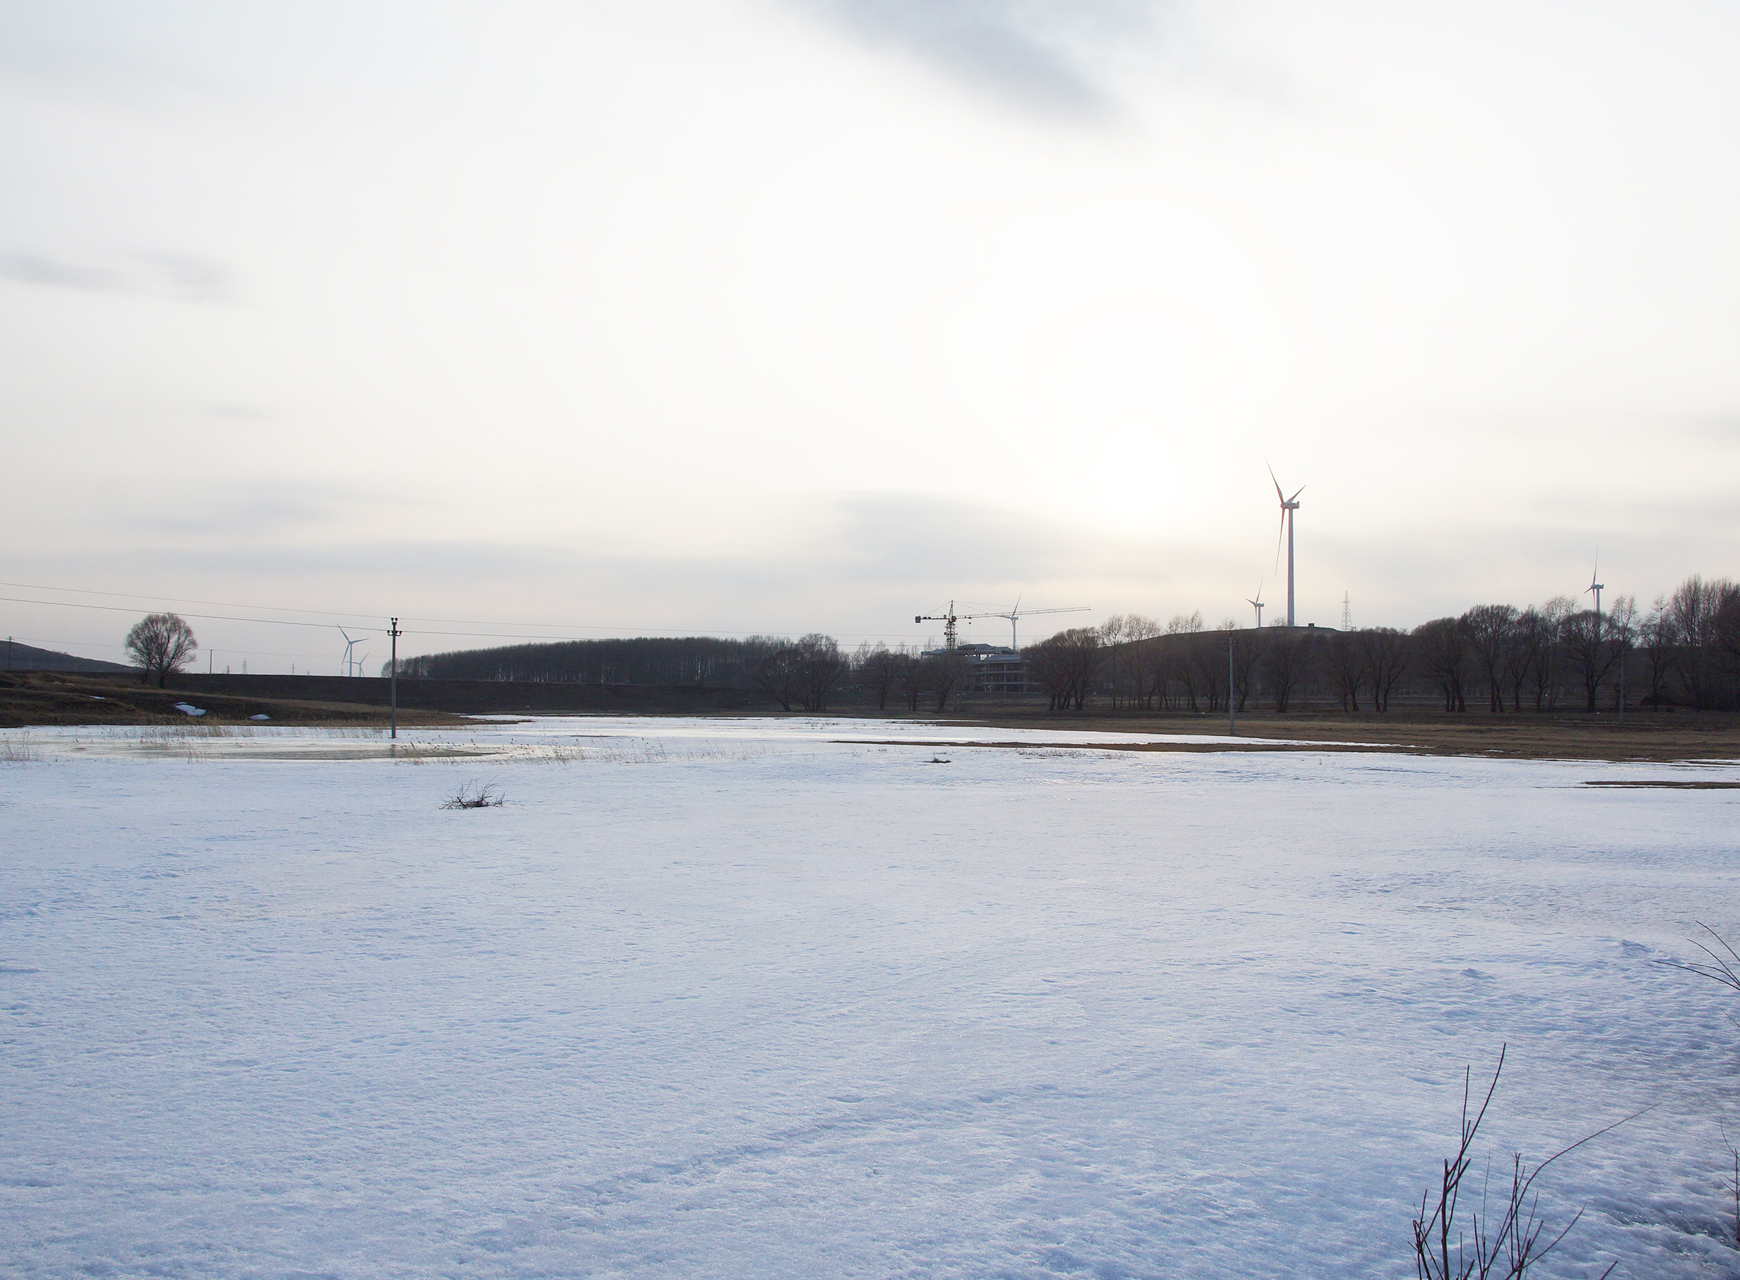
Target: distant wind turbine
1288, 507
1596, 588
352, 666
1257, 604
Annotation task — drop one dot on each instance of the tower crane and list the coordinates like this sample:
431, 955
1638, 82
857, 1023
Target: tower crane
950, 618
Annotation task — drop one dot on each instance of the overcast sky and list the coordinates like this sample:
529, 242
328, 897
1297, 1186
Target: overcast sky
777, 315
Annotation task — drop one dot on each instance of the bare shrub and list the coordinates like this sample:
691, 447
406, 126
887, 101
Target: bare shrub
1444, 1249
1724, 966
472, 796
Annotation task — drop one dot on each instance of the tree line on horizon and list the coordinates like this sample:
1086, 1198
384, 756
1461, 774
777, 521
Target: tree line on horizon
1684, 651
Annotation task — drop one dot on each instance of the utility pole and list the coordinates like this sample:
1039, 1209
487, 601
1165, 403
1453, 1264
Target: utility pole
393, 667
1232, 715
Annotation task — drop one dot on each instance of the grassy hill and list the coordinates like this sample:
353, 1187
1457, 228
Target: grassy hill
55, 697
17, 656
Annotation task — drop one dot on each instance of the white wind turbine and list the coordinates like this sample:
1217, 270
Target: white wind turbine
1596, 588
1288, 507
1257, 604
351, 668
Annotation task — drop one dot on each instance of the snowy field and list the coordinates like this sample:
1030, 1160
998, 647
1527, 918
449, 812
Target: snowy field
740, 999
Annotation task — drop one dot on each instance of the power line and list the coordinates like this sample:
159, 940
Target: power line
221, 604
476, 635
117, 608
115, 646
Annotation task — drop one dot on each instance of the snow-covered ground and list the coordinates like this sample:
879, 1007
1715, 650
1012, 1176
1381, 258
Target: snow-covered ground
740, 999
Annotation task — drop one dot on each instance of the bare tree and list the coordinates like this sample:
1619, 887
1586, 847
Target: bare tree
1548, 660
1204, 669
1286, 660
1142, 670
942, 672
1383, 652
1112, 637
1727, 629
1247, 648
1151, 666
1491, 631
1347, 672
1443, 649
1522, 655
1180, 663
776, 669
160, 643
910, 675
818, 668
1622, 627
1066, 665
1706, 623
1656, 638
1588, 651
878, 669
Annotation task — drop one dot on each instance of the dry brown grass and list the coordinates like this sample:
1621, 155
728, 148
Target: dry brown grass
31, 698
1644, 736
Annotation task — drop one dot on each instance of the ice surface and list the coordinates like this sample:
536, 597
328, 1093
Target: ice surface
188, 709
739, 999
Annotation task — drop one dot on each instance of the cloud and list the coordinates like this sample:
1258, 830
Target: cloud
176, 276
29, 269
192, 279
1040, 54
244, 509
935, 540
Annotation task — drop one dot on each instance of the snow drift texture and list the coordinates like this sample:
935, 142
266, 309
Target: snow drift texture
728, 1001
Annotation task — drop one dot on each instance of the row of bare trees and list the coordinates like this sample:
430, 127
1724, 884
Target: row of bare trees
1685, 651
909, 675
1139, 665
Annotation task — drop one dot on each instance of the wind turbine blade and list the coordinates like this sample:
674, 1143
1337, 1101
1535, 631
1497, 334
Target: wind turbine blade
1277, 483
1280, 538
1301, 489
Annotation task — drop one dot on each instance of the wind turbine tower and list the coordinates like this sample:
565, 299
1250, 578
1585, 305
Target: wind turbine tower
1288, 507
950, 618
1596, 588
352, 665
1017, 613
